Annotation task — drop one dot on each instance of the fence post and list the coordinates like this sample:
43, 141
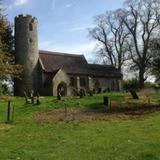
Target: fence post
65, 111
8, 111
12, 113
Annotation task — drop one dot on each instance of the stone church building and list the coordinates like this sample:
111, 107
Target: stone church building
49, 73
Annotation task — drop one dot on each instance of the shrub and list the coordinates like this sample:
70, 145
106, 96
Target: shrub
75, 92
82, 92
90, 92
4, 89
132, 84
149, 85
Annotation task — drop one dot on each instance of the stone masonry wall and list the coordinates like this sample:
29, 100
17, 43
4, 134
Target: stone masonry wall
26, 53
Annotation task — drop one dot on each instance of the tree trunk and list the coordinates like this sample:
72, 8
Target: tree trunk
119, 68
141, 78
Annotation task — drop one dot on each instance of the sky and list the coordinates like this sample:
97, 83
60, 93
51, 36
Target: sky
63, 24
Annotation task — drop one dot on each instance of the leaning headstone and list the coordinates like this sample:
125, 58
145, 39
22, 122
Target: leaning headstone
82, 93
108, 89
59, 95
38, 99
99, 90
32, 97
134, 94
26, 98
105, 100
90, 93
8, 111
65, 108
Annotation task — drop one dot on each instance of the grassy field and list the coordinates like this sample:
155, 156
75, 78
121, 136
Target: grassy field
135, 138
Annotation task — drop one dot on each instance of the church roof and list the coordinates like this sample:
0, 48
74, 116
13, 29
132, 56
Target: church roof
70, 63
74, 64
103, 70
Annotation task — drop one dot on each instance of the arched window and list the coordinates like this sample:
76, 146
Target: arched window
97, 86
82, 81
113, 85
72, 81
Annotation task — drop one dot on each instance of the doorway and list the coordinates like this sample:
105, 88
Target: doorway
62, 89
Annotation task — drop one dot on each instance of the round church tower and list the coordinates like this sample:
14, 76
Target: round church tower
26, 53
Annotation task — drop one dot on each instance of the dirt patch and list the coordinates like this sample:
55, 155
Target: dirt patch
4, 126
101, 113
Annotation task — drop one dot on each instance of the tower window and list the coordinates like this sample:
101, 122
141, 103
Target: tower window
30, 40
31, 27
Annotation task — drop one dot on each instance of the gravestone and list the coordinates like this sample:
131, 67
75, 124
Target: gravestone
38, 99
26, 97
105, 100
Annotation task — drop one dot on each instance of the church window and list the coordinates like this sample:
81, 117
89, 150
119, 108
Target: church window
113, 85
82, 82
72, 81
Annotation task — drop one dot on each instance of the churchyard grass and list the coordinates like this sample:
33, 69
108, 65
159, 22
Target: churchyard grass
135, 138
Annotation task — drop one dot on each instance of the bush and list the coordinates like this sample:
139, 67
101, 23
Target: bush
132, 84
90, 92
75, 92
149, 85
82, 92
4, 89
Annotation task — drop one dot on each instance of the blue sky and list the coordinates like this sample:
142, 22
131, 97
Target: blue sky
63, 24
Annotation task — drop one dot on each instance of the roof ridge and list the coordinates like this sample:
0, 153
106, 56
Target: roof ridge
60, 53
102, 65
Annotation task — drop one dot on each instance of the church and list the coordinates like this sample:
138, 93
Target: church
50, 73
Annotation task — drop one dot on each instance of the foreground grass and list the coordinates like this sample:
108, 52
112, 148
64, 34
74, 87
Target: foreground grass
117, 139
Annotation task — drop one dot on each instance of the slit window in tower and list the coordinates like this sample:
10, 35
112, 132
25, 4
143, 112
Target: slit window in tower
31, 27
30, 40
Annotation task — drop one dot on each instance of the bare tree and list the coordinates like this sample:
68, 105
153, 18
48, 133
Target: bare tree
119, 36
155, 63
141, 17
101, 34
111, 34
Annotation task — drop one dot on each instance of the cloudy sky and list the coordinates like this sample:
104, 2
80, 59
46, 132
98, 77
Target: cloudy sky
63, 24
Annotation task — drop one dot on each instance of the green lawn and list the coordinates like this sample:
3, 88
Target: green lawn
117, 139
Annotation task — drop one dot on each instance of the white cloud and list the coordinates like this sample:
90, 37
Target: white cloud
20, 2
86, 49
81, 28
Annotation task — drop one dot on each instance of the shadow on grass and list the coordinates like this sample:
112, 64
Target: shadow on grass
96, 111
136, 109
150, 157
130, 109
94, 106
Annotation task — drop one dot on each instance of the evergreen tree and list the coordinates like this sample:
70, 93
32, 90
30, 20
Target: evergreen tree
8, 68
